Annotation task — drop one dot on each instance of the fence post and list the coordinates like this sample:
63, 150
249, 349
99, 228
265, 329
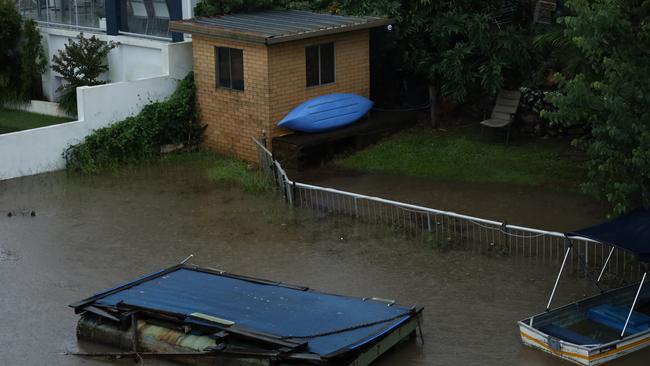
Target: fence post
429, 221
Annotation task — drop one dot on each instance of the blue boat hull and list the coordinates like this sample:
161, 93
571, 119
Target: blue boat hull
326, 112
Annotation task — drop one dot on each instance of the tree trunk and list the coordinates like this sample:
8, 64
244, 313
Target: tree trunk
432, 105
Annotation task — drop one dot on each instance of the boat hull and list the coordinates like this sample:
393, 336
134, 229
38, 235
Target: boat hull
555, 331
326, 112
581, 355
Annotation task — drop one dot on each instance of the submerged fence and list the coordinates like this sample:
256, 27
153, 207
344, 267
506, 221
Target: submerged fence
449, 230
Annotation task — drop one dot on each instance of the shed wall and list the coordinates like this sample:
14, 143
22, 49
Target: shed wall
274, 83
287, 73
232, 116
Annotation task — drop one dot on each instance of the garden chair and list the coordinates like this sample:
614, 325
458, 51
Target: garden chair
504, 111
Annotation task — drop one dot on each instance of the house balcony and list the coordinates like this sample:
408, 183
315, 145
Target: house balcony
138, 18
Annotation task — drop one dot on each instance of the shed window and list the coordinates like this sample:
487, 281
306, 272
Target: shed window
230, 68
320, 64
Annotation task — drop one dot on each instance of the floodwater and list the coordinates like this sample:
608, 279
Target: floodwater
536, 207
90, 233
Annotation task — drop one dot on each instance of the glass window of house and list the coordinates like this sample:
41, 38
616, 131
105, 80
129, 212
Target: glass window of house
320, 64
149, 17
230, 68
82, 13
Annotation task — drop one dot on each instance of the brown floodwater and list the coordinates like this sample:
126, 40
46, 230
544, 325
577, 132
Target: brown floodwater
536, 207
90, 233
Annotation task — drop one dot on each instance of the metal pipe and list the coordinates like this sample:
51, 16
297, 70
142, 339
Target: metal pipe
602, 271
557, 280
634, 303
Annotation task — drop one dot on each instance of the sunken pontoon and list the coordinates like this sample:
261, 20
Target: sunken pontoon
606, 326
198, 315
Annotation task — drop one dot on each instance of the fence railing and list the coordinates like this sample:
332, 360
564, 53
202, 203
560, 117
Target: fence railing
452, 230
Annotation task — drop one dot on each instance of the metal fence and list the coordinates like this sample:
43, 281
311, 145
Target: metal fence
451, 230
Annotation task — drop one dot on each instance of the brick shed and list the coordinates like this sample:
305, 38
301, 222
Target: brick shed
251, 69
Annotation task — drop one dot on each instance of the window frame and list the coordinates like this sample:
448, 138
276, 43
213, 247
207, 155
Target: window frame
217, 65
320, 70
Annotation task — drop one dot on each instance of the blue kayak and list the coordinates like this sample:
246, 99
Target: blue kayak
326, 112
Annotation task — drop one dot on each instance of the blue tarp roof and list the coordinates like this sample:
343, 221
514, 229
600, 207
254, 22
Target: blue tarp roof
263, 307
630, 232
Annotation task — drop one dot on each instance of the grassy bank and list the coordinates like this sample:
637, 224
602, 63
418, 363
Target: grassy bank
223, 169
12, 120
464, 154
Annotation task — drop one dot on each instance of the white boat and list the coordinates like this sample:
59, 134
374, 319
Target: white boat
606, 326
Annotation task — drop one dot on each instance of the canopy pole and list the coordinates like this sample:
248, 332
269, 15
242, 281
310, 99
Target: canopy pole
557, 280
633, 304
602, 271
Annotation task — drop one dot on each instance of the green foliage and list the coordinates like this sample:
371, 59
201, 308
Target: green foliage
207, 8
81, 62
237, 171
467, 156
139, 138
456, 46
611, 96
33, 60
21, 56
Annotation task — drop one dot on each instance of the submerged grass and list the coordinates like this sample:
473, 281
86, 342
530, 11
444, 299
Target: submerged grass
12, 120
224, 169
466, 155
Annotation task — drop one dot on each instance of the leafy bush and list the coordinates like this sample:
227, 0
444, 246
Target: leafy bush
610, 96
22, 58
138, 138
80, 63
219, 7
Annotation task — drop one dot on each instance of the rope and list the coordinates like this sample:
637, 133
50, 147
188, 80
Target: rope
342, 330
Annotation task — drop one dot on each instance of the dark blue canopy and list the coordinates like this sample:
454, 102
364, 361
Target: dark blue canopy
630, 232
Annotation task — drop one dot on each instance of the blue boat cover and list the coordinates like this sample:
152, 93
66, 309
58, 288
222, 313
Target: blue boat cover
630, 232
329, 323
615, 316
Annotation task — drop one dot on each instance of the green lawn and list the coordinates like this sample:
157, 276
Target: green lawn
463, 154
11, 120
223, 169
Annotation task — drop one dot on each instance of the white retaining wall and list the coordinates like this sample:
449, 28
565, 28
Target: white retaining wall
40, 107
41, 150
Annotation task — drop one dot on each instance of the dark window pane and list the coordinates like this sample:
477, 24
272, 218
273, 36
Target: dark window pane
223, 67
327, 63
311, 63
237, 68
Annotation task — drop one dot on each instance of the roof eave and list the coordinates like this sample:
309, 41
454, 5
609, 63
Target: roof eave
325, 32
215, 32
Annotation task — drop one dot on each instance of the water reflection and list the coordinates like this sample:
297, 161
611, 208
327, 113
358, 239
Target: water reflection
92, 233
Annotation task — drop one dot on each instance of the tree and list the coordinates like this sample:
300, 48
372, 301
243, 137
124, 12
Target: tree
610, 97
81, 63
21, 55
207, 8
455, 46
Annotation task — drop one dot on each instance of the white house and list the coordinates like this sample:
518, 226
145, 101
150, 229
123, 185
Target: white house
147, 47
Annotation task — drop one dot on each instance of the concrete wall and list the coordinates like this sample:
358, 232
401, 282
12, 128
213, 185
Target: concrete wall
41, 150
40, 107
101, 105
274, 83
135, 58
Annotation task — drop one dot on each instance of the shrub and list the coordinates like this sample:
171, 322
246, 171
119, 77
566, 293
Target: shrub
80, 63
138, 138
22, 59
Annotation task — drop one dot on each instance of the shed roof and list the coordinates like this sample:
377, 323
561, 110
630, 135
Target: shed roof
275, 26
